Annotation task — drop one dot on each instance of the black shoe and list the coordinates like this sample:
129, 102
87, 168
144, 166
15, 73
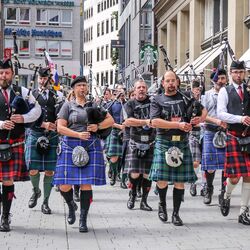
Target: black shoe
123, 185
208, 196
203, 191
176, 220
118, 177
72, 212
113, 179
221, 197
83, 221
244, 219
144, 206
76, 196
225, 206
45, 208
193, 190
110, 173
162, 212
156, 191
138, 194
131, 201
34, 198
5, 223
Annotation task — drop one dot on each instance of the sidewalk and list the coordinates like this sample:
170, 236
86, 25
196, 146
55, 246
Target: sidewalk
113, 226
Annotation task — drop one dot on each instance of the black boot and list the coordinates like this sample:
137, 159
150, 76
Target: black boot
5, 223
86, 199
132, 193
34, 197
68, 197
114, 173
162, 208
146, 185
139, 186
83, 221
76, 196
45, 207
208, 196
123, 184
178, 195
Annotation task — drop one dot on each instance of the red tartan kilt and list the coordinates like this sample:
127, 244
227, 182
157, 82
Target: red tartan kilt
14, 169
237, 163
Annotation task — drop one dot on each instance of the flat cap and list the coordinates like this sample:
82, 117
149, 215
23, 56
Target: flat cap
77, 80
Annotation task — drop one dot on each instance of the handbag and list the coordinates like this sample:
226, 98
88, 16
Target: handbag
5, 152
80, 156
174, 157
244, 144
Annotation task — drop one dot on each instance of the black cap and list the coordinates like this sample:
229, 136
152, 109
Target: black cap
238, 65
77, 80
5, 64
44, 72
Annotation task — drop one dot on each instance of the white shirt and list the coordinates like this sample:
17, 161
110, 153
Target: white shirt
222, 102
34, 113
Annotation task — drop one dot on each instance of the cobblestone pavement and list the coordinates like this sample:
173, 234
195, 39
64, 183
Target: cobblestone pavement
113, 226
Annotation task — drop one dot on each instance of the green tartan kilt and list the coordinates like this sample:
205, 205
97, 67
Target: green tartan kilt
36, 161
160, 171
115, 144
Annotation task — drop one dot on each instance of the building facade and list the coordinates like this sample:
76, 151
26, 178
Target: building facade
100, 27
51, 25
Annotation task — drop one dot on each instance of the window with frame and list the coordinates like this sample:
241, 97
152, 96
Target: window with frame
106, 77
98, 8
66, 18
24, 48
97, 78
102, 78
24, 17
91, 56
8, 44
103, 28
105, 5
66, 48
53, 48
112, 26
107, 52
54, 17
102, 53
98, 29
11, 16
98, 54
41, 17
40, 45
111, 3
111, 78
107, 26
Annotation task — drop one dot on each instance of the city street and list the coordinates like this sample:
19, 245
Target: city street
113, 226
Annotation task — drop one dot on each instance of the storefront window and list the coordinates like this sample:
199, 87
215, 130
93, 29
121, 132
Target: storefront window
53, 48
66, 48
24, 48
40, 45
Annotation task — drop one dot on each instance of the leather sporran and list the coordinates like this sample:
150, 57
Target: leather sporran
42, 145
141, 149
220, 139
174, 157
80, 156
5, 152
244, 144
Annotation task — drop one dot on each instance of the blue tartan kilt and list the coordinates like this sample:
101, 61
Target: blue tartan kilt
160, 171
93, 173
36, 161
115, 144
212, 158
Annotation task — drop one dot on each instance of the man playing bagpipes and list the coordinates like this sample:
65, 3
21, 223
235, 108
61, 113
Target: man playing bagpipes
42, 140
14, 114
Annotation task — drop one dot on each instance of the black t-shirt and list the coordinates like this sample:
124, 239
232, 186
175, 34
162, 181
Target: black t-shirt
139, 110
169, 108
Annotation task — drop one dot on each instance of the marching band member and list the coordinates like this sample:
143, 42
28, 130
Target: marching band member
39, 156
12, 134
233, 108
80, 161
172, 160
141, 144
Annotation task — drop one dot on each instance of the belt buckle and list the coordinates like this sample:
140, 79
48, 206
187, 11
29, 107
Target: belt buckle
176, 138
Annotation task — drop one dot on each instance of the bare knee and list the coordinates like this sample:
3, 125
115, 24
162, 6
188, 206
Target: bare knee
134, 175
162, 184
8, 182
179, 185
86, 187
49, 173
114, 159
34, 172
65, 188
196, 164
234, 181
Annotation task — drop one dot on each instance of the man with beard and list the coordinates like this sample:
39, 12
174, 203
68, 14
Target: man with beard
41, 159
12, 132
172, 160
213, 157
234, 109
141, 144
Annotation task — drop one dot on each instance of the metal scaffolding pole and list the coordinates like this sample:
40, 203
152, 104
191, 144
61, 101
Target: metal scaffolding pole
81, 35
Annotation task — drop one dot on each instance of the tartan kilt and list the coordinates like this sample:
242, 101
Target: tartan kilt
36, 161
106, 143
237, 163
67, 173
212, 158
134, 164
195, 146
160, 171
115, 144
14, 169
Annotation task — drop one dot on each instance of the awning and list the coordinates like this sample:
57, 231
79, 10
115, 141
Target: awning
203, 60
246, 57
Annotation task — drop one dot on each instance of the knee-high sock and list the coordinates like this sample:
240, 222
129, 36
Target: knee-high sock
35, 179
8, 195
162, 194
134, 184
86, 197
245, 196
68, 196
47, 186
177, 199
229, 188
113, 167
140, 180
146, 185
210, 179
223, 181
